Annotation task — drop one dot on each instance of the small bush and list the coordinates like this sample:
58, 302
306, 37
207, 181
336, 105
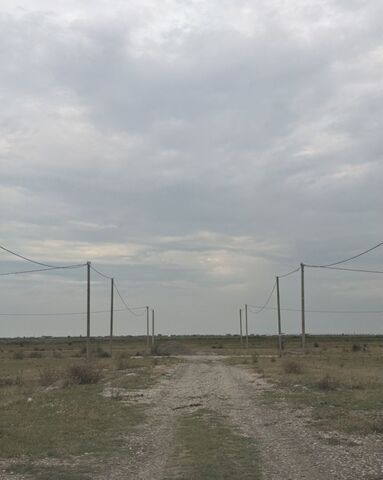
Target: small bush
101, 353
327, 383
356, 347
292, 366
316, 345
18, 356
82, 374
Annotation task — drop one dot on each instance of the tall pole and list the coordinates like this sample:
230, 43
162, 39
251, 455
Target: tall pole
279, 320
303, 305
147, 327
247, 329
88, 312
153, 326
111, 314
240, 326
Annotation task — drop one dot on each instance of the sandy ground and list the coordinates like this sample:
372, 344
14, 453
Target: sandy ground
289, 447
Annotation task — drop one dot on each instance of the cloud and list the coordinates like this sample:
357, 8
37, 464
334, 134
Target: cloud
192, 145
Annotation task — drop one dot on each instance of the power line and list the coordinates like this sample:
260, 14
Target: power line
43, 269
350, 258
100, 273
130, 309
345, 269
267, 301
27, 259
127, 307
55, 314
289, 273
357, 312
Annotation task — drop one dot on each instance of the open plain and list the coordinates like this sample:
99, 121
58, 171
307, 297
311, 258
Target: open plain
197, 408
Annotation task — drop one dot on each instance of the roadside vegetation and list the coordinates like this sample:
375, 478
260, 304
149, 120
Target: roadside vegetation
60, 412
339, 384
64, 414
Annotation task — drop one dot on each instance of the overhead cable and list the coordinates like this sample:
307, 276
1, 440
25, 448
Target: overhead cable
27, 259
290, 273
356, 312
61, 314
43, 269
130, 309
350, 258
100, 273
267, 301
345, 269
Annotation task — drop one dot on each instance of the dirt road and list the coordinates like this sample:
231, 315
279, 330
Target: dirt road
287, 444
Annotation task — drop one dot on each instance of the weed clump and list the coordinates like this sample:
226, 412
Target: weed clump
292, 366
101, 353
327, 383
82, 374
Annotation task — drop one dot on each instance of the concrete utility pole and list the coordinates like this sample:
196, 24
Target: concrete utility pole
240, 326
303, 305
153, 327
111, 314
88, 312
247, 329
147, 328
279, 320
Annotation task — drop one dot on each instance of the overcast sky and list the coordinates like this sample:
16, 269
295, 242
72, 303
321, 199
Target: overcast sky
193, 150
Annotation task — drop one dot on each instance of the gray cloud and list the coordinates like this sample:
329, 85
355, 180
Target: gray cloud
194, 150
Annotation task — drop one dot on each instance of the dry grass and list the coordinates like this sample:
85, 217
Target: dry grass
72, 418
342, 385
293, 366
82, 374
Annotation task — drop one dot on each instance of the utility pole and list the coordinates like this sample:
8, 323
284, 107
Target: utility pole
147, 327
303, 305
111, 314
88, 312
247, 329
279, 320
153, 327
240, 326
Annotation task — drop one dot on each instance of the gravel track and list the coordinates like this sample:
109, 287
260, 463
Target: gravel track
289, 448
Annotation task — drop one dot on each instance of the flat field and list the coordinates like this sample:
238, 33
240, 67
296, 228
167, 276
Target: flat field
197, 408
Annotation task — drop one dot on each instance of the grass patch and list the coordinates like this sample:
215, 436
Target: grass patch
57, 472
344, 390
208, 449
64, 422
292, 366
